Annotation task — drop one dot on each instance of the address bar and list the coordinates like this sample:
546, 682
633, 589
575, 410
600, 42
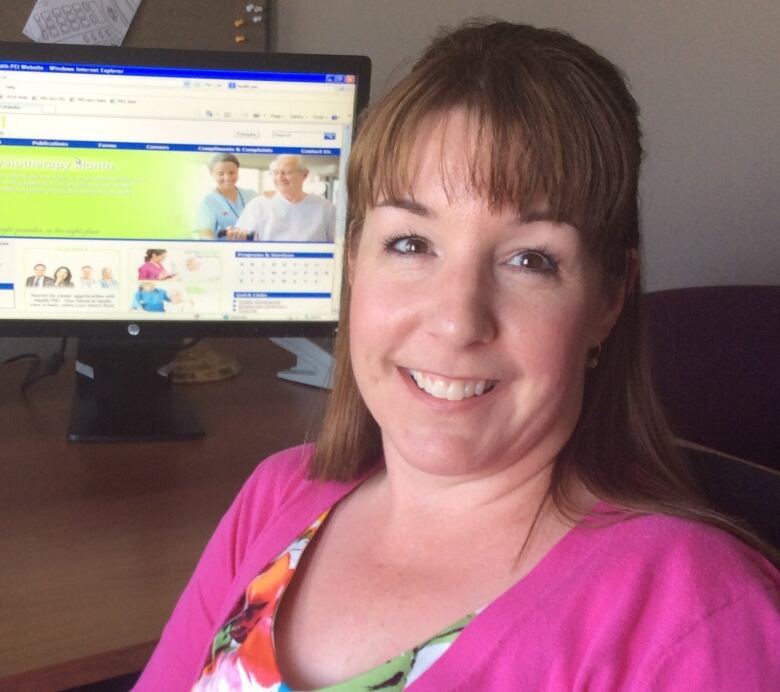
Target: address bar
40, 80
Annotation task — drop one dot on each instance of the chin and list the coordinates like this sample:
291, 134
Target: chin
447, 456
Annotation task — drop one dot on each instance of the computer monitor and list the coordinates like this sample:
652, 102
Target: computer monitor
152, 195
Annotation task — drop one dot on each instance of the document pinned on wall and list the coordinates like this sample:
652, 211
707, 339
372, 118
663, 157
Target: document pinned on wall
85, 22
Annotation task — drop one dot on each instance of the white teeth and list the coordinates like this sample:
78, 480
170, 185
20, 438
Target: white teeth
439, 389
454, 390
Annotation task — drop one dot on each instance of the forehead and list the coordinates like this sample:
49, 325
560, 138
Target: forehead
445, 149
285, 164
447, 156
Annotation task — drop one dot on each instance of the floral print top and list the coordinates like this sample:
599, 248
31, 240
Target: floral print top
242, 653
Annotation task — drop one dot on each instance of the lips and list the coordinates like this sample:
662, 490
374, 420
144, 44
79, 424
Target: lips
450, 389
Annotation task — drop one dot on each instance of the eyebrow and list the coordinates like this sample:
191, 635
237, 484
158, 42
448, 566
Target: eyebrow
421, 210
407, 205
533, 215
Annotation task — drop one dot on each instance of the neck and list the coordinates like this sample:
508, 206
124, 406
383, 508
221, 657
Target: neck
231, 194
511, 525
295, 197
472, 504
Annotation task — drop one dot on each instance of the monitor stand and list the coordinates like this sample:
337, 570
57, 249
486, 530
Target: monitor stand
313, 364
123, 394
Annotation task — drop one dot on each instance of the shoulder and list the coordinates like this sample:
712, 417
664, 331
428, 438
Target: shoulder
706, 605
698, 568
279, 482
282, 475
683, 586
639, 602
276, 501
211, 199
686, 550
317, 201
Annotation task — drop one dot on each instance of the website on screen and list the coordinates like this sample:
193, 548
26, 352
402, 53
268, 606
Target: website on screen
162, 193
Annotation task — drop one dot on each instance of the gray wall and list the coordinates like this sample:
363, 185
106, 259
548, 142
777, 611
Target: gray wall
706, 74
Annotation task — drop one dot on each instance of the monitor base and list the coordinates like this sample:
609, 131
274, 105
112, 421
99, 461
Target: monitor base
124, 394
313, 364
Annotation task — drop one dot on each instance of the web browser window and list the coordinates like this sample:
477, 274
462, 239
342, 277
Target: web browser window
171, 193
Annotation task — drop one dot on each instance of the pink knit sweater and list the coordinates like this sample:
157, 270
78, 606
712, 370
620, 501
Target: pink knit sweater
646, 603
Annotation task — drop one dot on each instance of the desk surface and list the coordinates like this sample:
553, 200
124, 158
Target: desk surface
98, 540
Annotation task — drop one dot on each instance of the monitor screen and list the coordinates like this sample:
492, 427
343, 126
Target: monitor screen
172, 192
151, 195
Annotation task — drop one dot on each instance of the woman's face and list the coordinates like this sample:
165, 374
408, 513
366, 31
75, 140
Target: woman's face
225, 174
158, 258
470, 329
61, 274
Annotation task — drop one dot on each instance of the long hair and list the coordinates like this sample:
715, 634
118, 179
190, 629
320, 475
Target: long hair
68, 275
553, 118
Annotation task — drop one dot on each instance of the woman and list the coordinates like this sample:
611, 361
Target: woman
63, 278
152, 268
220, 209
494, 501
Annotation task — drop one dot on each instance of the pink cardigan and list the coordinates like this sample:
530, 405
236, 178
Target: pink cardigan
645, 603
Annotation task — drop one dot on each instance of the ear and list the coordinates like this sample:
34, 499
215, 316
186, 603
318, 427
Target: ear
615, 297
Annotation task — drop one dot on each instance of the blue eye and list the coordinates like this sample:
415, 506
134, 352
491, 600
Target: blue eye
407, 245
534, 261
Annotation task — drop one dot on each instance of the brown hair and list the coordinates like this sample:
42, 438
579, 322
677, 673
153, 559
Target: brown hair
553, 118
152, 252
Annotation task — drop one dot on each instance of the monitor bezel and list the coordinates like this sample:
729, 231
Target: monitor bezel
123, 329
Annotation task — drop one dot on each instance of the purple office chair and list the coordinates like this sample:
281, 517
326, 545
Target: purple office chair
715, 357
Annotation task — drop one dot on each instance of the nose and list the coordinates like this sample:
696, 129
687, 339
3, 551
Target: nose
461, 304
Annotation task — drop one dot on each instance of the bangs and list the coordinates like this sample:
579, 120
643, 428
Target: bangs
505, 174
551, 128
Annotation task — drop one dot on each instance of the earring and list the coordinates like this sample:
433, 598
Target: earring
593, 357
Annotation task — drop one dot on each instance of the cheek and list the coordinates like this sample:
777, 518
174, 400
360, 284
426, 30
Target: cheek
379, 298
378, 324
368, 313
363, 351
548, 338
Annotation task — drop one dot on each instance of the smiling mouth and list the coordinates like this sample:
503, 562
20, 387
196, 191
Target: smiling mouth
451, 390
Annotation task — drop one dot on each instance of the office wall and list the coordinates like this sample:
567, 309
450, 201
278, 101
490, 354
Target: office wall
705, 73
